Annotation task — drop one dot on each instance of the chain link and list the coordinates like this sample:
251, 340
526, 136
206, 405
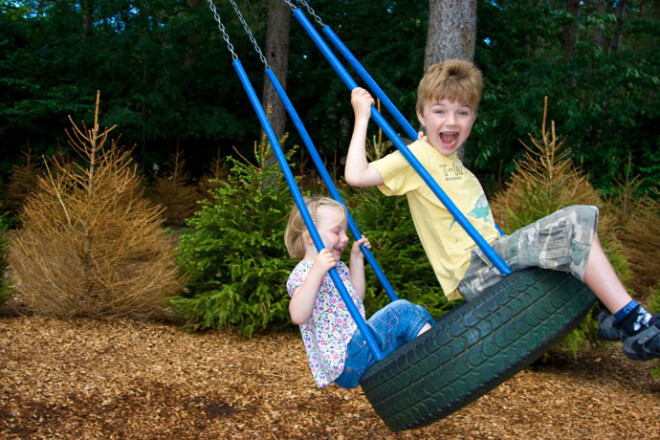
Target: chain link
291, 5
249, 32
221, 26
312, 13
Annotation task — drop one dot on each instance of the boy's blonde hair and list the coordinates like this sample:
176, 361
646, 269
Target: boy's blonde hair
456, 80
295, 228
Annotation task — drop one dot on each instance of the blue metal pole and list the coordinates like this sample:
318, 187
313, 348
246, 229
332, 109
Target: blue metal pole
328, 181
297, 197
405, 151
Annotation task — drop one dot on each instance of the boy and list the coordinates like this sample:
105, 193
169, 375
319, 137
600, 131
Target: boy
447, 106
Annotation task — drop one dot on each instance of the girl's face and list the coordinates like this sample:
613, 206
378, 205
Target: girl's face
448, 124
332, 224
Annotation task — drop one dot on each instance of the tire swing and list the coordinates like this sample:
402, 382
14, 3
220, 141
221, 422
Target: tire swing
474, 347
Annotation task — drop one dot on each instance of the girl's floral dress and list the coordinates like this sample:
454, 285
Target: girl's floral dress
330, 328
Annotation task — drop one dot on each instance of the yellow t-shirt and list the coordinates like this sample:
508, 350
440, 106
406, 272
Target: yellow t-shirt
445, 242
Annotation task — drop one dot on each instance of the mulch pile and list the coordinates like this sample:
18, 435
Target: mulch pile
85, 379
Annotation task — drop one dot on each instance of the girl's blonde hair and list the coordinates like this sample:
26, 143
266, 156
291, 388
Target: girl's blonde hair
456, 80
295, 228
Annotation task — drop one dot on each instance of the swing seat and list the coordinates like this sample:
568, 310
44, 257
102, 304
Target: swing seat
475, 347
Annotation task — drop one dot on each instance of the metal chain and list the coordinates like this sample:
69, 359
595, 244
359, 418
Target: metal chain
291, 5
312, 13
249, 32
221, 26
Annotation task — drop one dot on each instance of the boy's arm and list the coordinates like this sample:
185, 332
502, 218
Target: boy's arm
356, 267
358, 171
304, 297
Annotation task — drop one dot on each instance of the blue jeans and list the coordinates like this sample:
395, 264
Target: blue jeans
392, 326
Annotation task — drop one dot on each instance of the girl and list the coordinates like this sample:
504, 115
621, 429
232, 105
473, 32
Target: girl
336, 350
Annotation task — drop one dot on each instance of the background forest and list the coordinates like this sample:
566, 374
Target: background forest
167, 82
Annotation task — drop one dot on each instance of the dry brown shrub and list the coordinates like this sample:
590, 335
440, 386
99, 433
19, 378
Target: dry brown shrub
215, 173
640, 235
546, 180
91, 244
638, 228
174, 192
23, 180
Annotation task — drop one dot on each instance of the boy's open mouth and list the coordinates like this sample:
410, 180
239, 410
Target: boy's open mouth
449, 139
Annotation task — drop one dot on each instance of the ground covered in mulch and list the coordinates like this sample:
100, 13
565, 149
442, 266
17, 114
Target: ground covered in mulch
85, 379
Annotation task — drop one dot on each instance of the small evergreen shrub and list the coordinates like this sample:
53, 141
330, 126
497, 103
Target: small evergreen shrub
544, 181
235, 259
387, 222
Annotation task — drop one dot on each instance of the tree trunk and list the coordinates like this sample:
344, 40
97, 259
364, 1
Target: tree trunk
452, 31
598, 32
452, 34
618, 28
191, 54
277, 55
569, 36
88, 18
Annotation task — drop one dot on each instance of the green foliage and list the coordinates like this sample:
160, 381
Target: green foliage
654, 307
168, 81
161, 65
654, 301
604, 94
235, 259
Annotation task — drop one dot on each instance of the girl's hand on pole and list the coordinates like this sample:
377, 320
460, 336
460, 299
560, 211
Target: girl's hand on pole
325, 260
356, 251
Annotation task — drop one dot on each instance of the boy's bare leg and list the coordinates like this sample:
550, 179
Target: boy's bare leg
601, 278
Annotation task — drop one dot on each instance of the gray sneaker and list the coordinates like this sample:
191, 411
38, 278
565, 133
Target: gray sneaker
644, 345
606, 329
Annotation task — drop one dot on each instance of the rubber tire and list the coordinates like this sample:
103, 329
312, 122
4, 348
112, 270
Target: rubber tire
476, 347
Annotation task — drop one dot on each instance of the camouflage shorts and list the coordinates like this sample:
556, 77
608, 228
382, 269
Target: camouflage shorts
560, 241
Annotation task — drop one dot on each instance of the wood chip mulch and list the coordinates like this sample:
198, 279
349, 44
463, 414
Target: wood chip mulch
87, 379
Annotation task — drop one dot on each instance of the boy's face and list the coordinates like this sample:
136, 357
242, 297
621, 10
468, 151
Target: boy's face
448, 124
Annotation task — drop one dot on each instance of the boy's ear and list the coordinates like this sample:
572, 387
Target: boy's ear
420, 118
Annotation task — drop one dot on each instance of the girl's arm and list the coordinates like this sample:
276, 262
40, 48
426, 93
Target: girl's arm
356, 267
304, 297
358, 171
